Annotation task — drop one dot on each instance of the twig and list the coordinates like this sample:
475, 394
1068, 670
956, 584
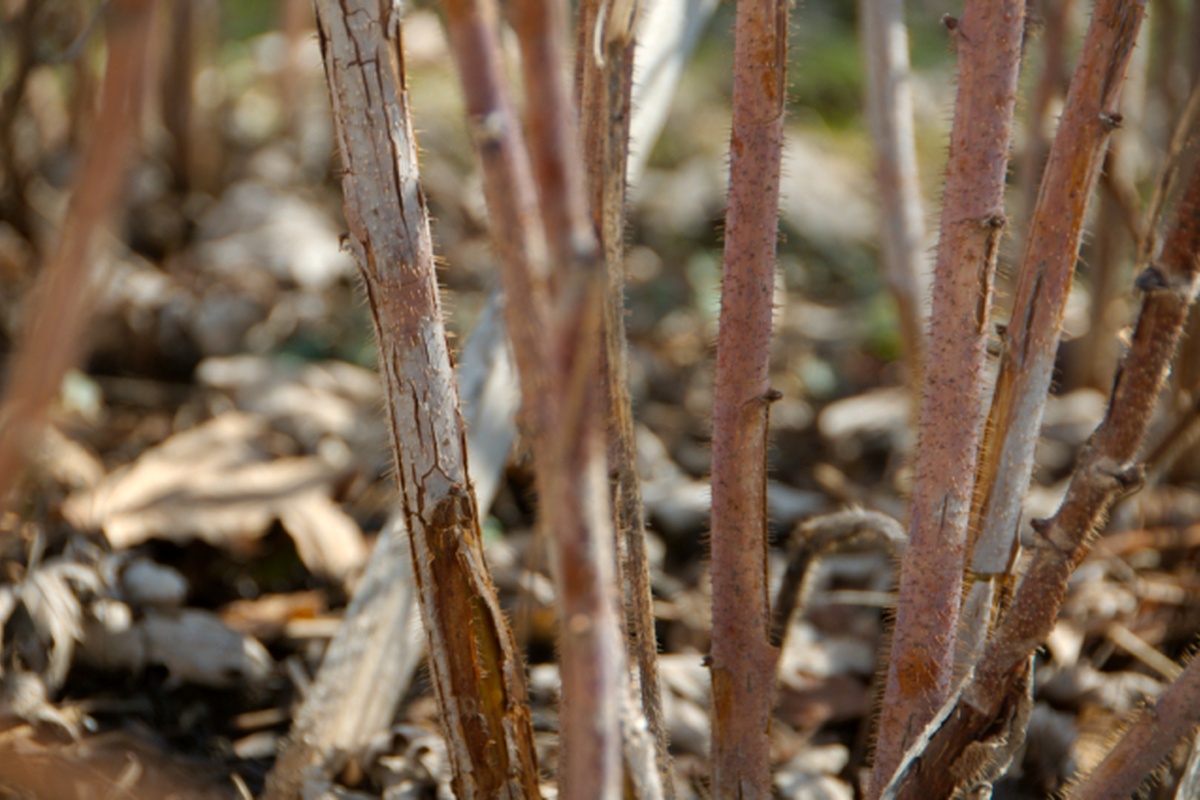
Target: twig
508, 189
1107, 469
572, 478
1055, 18
902, 219
816, 538
1029, 342
743, 661
920, 669
605, 57
60, 309
1171, 287
478, 675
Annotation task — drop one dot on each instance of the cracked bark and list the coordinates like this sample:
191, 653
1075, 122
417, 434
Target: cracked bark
477, 675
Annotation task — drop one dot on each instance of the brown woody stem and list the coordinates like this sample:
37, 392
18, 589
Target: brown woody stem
1030, 340
604, 67
572, 478
1107, 469
921, 666
743, 661
478, 675
59, 311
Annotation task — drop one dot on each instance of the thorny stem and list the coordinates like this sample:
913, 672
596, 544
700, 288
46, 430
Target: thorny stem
1029, 342
1107, 470
1154, 733
604, 68
988, 39
743, 661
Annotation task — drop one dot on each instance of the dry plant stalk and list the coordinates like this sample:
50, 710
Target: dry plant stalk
477, 674
58, 312
1107, 469
743, 660
1154, 733
555, 321
1029, 342
902, 218
514, 224
572, 479
604, 75
1055, 18
920, 669
851, 529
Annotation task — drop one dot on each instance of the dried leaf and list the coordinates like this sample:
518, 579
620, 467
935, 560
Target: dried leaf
213, 483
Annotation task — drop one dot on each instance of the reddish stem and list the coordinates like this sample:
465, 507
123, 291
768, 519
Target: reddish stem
60, 310
743, 660
922, 658
1030, 340
1107, 469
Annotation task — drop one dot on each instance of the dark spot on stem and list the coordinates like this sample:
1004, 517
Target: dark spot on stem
1151, 279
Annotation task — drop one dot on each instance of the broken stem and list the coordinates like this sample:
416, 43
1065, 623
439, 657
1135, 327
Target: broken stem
477, 673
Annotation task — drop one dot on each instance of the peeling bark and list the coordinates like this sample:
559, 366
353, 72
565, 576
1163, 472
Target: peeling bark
478, 676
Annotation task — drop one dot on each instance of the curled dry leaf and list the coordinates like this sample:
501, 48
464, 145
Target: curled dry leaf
49, 597
213, 483
308, 401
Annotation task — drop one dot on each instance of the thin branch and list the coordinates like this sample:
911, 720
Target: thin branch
743, 661
1029, 343
1107, 470
988, 38
605, 56
819, 537
61, 306
508, 189
902, 218
1055, 18
572, 477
